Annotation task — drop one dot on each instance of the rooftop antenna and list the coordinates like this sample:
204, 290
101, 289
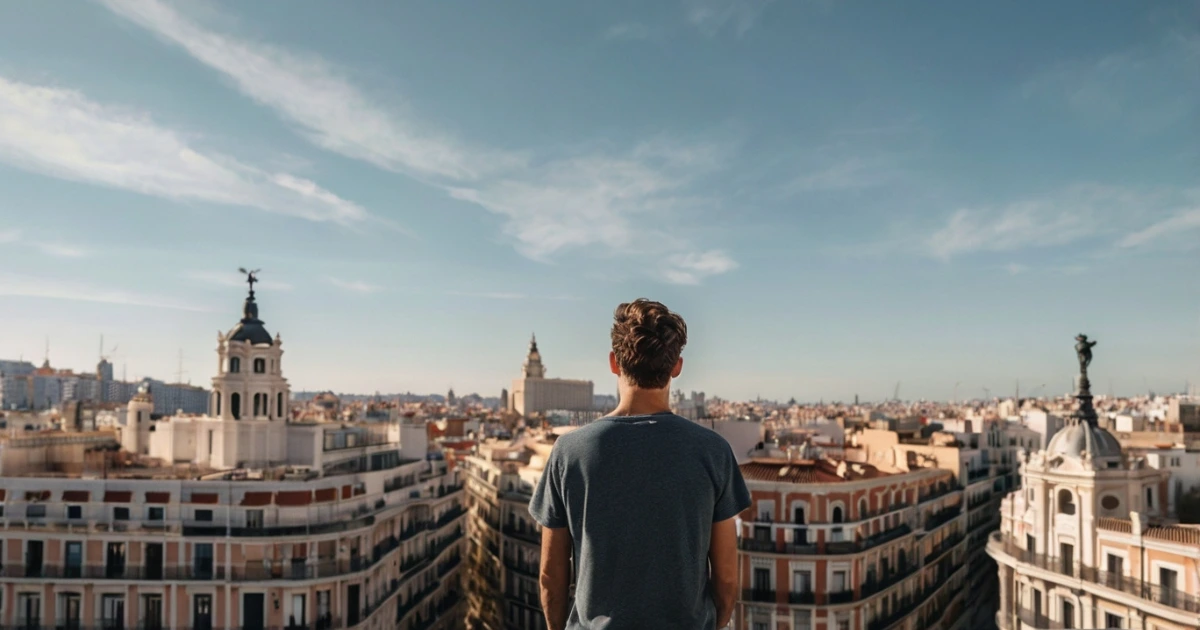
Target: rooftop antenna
179, 373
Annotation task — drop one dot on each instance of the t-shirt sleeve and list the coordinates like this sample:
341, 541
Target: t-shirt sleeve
732, 497
547, 506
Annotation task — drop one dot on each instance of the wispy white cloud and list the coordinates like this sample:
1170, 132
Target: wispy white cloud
314, 95
628, 30
19, 285
711, 16
1067, 216
233, 279
60, 133
1180, 223
691, 268
607, 199
10, 235
354, 286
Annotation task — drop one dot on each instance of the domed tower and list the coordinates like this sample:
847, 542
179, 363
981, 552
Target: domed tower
249, 385
1080, 476
137, 417
533, 367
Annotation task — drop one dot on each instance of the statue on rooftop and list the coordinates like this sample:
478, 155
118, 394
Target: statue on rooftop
1084, 350
251, 277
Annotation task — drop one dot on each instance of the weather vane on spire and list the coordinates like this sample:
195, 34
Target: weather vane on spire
251, 278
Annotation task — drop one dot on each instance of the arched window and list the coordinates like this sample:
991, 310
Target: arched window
235, 365
1066, 502
862, 509
837, 514
279, 410
260, 366
216, 402
257, 405
235, 405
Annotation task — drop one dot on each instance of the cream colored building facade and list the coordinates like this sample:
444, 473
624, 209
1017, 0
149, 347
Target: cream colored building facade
1088, 541
534, 393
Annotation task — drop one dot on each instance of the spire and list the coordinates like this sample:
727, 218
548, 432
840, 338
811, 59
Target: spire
1086, 412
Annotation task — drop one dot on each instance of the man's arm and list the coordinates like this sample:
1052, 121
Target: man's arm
555, 576
722, 557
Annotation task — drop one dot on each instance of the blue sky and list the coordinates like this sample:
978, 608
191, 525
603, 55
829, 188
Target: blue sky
837, 196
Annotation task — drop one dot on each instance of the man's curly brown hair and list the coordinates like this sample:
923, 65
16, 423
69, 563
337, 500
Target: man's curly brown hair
647, 339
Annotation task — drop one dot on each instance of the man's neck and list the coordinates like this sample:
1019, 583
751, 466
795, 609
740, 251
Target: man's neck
642, 402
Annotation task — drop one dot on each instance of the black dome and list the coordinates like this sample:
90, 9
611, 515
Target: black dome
251, 327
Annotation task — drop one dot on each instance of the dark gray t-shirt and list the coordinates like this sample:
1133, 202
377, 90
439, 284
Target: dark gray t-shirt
640, 495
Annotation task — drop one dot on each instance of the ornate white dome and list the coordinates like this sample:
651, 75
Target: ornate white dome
1081, 438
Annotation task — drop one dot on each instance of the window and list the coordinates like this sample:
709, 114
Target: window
1066, 502
839, 582
1109, 502
204, 515
235, 365
120, 514
837, 514
74, 560
235, 405
279, 408
803, 620
254, 519
29, 609
1168, 581
112, 611
762, 580
1149, 498
1068, 614
862, 509
75, 511
68, 605
260, 366
151, 612
114, 561
155, 514
33, 558
801, 581
1111, 621
202, 562
35, 510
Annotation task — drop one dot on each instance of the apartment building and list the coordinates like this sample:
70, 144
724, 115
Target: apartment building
840, 545
242, 519
505, 542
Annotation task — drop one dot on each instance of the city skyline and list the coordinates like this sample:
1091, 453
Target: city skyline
836, 198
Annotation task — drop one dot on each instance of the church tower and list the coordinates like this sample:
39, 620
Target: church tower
137, 420
533, 367
249, 385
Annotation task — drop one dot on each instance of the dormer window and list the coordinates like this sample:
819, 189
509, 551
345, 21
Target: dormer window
235, 365
260, 366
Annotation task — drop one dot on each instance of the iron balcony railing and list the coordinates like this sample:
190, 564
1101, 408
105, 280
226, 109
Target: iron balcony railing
1165, 596
825, 548
943, 516
942, 547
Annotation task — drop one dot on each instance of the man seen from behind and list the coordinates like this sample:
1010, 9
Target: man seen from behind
641, 502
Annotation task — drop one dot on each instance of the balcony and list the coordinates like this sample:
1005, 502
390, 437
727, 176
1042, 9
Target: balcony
840, 597
900, 573
1172, 598
758, 595
104, 572
527, 569
802, 597
943, 547
830, 547
940, 493
977, 474
942, 517
528, 535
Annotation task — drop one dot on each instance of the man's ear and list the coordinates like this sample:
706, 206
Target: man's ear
612, 363
678, 368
